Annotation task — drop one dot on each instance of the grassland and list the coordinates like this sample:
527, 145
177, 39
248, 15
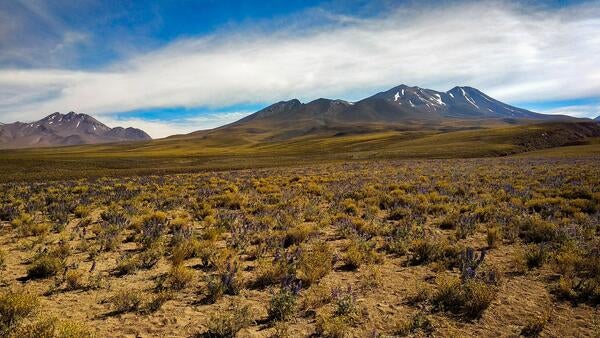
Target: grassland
486, 232
446, 247
225, 151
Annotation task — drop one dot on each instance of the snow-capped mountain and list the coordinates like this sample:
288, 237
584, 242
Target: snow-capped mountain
398, 107
458, 102
68, 129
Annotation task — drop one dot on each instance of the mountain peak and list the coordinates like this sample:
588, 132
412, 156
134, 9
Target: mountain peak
64, 129
402, 105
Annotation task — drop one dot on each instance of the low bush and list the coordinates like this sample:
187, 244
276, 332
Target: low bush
228, 323
417, 323
535, 230
180, 277
74, 280
493, 237
315, 263
126, 301
53, 328
127, 264
535, 255
282, 305
330, 326
535, 325
360, 252
469, 298
45, 265
227, 281
15, 306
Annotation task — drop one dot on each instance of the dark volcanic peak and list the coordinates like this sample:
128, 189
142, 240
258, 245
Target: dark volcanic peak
458, 102
64, 129
400, 107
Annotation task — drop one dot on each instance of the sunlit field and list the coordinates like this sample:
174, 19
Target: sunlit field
481, 247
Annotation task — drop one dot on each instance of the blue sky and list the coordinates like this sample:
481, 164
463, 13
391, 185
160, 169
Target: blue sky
178, 66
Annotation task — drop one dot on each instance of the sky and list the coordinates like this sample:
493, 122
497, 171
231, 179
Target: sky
172, 67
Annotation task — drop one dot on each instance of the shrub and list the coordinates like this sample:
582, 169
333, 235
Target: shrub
449, 222
535, 255
74, 280
157, 301
332, 326
126, 301
315, 297
345, 301
181, 229
536, 230
226, 281
150, 256
535, 325
82, 211
420, 293
52, 327
360, 252
399, 213
282, 267
14, 307
448, 295
418, 322
23, 220
153, 226
349, 206
470, 298
229, 323
2, 259
315, 263
282, 304
493, 235
186, 249
297, 234
44, 266
201, 210
424, 251
180, 276
127, 264
108, 237
477, 296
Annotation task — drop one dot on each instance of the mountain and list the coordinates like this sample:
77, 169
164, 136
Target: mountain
399, 108
597, 119
61, 130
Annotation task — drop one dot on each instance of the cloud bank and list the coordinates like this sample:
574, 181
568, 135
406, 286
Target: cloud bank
514, 53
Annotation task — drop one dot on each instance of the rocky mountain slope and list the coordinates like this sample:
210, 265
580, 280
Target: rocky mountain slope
64, 129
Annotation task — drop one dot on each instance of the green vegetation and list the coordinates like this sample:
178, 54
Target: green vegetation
244, 149
388, 247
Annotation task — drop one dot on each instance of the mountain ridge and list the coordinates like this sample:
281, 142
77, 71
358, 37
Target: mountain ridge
59, 129
399, 108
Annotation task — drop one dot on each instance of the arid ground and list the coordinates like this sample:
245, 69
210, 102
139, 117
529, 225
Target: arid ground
474, 247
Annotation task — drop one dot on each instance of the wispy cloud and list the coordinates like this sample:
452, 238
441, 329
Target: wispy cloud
512, 52
585, 110
161, 128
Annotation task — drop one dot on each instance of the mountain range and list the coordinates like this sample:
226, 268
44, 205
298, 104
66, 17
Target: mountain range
402, 108
64, 129
399, 108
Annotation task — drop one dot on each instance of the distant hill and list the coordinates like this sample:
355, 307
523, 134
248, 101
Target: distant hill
597, 119
61, 130
399, 108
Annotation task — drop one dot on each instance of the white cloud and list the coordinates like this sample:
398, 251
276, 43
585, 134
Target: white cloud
584, 110
160, 129
512, 53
